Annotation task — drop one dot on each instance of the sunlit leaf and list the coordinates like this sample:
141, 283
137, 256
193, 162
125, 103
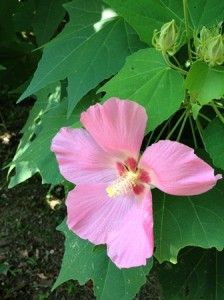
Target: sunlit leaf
46, 99
39, 152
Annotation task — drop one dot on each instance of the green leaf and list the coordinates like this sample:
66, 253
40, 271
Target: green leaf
47, 18
4, 268
23, 171
104, 62
205, 13
83, 261
198, 275
195, 110
2, 68
38, 153
188, 221
205, 83
46, 119
146, 79
83, 54
7, 9
214, 143
19, 62
24, 15
46, 99
146, 15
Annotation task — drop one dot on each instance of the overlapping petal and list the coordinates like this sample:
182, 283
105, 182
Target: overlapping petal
131, 243
80, 159
92, 213
176, 170
118, 126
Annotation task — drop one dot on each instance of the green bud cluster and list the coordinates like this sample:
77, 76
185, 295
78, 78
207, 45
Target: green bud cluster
165, 40
209, 45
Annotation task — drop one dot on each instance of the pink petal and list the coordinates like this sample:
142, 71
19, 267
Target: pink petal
92, 214
118, 126
132, 242
80, 159
176, 170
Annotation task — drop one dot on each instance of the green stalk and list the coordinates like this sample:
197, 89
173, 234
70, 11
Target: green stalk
193, 132
150, 138
162, 130
176, 125
172, 65
176, 61
221, 118
187, 29
205, 117
182, 125
200, 129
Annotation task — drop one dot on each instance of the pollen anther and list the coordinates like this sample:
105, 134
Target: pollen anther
123, 184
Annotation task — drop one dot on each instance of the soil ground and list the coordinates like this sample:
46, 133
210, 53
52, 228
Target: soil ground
31, 249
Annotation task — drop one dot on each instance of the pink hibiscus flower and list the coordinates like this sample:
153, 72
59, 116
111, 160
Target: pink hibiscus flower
112, 201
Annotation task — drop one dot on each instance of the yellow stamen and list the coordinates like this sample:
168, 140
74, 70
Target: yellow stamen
123, 184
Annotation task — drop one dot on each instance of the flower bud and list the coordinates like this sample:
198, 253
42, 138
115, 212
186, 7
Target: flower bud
214, 54
209, 45
165, 39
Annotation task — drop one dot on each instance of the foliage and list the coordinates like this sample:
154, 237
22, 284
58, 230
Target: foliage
69, 55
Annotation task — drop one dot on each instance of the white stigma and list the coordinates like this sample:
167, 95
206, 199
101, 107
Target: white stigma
122, 185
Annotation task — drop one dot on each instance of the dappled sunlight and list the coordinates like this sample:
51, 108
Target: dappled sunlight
107, 15
6, 137
53, 203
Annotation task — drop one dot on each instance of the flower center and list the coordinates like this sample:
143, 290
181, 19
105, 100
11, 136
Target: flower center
123, 184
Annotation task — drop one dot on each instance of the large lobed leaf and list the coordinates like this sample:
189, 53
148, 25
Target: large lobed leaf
47, 18
188, 221
198, 275
44, 17
83, 53
38, 155
146, 79
83, 261
146, 15
46, 99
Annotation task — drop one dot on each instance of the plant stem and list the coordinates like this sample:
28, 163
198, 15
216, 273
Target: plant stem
182, 125
205, 117
176, 61
218, 104
172, 65
221, 118
187, 28
193, 132
176, 125
149, 139
200, 129
162, 130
